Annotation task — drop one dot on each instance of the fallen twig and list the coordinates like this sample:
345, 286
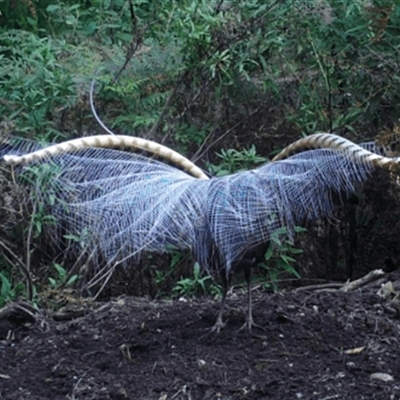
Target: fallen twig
345, 287
320, 286
371, 276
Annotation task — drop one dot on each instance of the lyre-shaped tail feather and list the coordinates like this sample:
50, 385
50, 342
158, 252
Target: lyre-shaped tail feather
129, 204
108, 141
349, 149
121, 205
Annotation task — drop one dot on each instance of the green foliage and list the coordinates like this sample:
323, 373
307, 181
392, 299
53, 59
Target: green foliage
41, 176
334, 66
142, 90
161, 276
235, 161
8, 290
107, 21
187, 136
21, 14
34, 84
279, 257
74, 19
164, 271
81, 239
62, 277
197, 284
338, 54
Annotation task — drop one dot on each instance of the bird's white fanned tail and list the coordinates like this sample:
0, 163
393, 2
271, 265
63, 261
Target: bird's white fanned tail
122, 204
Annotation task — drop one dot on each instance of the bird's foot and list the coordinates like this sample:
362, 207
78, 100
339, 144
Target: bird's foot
219, 324
216, 329
249, 325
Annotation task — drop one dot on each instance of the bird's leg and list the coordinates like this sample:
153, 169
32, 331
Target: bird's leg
249, 317
219, 324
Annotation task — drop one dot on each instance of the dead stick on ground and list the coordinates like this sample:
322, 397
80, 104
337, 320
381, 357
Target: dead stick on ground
371, 276
321, 286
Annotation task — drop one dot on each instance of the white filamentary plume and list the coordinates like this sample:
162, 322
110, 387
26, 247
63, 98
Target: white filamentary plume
128, 204
93, 108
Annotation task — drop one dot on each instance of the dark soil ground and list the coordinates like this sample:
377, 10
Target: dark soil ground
312, 345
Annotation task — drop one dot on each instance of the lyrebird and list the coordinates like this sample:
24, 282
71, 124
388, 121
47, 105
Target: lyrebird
129, 204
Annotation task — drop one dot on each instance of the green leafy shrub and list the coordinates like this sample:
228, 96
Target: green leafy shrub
279, 258
236, 161
62, 277
8, 290
197, 284
35, 86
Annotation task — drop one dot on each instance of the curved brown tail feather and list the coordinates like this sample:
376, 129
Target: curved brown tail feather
108, 141
334, 142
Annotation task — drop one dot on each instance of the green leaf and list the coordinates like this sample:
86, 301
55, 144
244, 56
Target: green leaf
5, 287
73, 279
269, 253
53, 8
62, 273
53, 282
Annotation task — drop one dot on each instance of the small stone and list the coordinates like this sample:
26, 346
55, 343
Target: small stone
201, 363
382, 377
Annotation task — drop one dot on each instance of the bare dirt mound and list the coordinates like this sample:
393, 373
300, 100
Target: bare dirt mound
313, 345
